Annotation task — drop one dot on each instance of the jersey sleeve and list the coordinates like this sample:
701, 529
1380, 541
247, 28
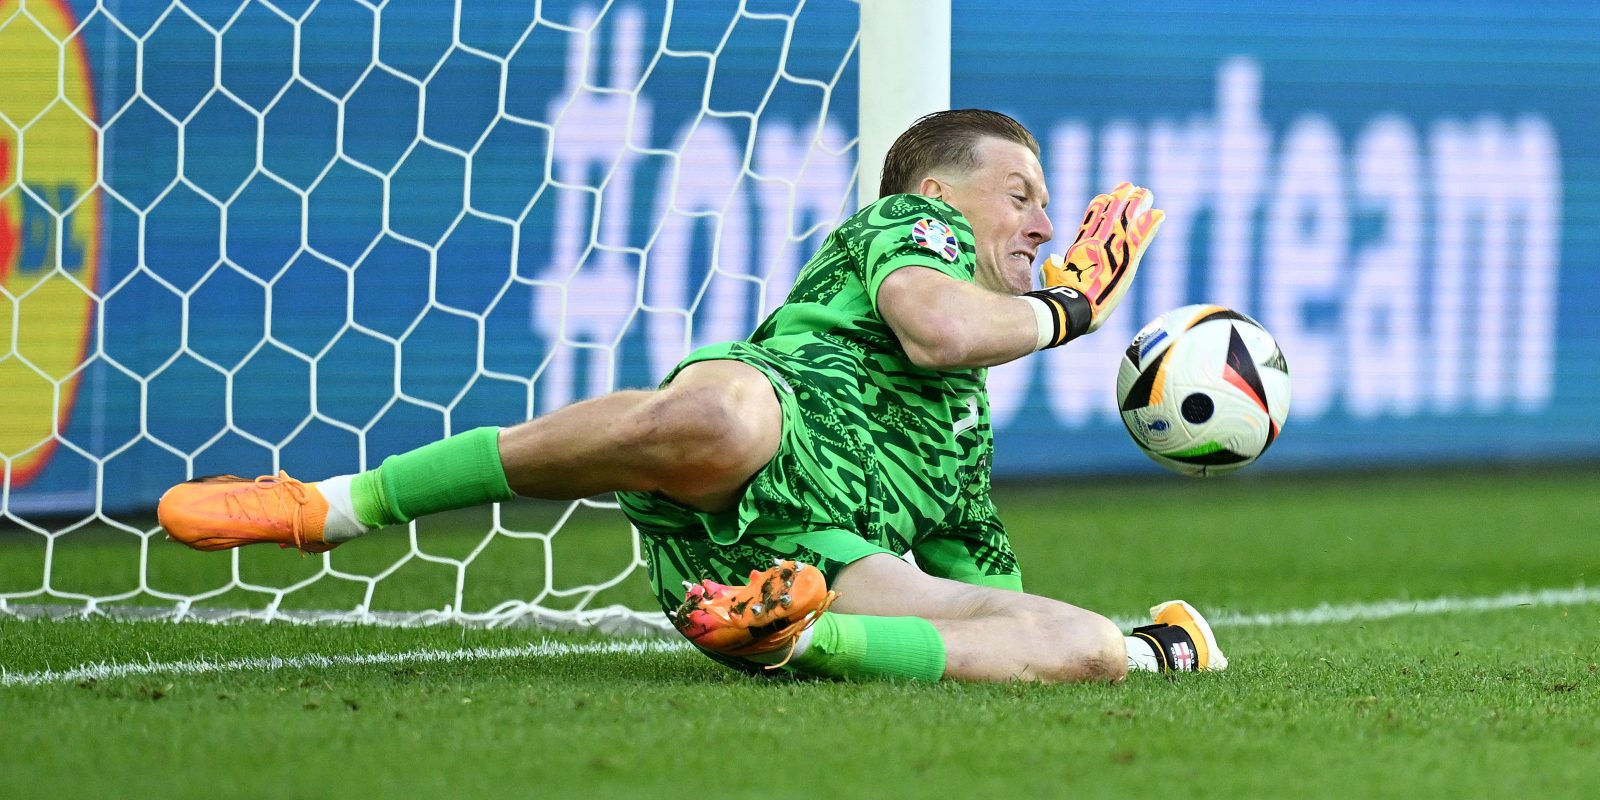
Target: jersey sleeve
907, 230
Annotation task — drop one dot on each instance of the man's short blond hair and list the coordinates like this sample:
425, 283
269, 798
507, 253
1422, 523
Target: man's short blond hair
945, 140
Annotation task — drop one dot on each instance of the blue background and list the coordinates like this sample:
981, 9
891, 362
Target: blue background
284, 316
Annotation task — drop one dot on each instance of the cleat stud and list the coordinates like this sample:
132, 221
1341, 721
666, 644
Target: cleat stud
757, 608
786, 600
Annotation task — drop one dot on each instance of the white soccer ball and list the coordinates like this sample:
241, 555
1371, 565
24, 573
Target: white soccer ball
1204, 390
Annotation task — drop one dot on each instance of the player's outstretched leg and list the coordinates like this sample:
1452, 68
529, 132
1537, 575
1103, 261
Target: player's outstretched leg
227, 511
1180, 640
698, 440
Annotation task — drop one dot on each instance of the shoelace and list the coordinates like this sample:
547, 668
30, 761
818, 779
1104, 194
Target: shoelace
794, 641
698, 596
278, 486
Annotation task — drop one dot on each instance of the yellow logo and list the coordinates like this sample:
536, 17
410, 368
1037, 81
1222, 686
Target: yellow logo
49, 228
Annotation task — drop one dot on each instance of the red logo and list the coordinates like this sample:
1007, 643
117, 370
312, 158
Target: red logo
10, 232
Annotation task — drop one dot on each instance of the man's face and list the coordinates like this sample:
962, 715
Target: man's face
1004, 198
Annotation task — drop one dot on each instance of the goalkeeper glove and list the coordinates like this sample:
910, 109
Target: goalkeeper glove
1083, 287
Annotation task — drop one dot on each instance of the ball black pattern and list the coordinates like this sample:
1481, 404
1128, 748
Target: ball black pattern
1197, 408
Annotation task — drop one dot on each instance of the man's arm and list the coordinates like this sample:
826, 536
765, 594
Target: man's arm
944, 323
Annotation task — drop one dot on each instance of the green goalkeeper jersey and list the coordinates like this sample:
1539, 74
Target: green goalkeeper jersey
877, 454
927, 431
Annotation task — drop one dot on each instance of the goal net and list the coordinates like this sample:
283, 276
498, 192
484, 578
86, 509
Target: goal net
308, 234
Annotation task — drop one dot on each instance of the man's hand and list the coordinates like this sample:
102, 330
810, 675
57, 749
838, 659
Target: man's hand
1088, 282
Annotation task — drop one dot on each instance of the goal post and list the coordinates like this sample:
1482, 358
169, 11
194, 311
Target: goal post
307, 235
905, 74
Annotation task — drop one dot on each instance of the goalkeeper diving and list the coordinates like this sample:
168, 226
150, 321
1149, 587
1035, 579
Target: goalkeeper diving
782, 478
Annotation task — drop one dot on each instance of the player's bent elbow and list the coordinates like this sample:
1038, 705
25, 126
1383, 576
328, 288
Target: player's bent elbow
941, 351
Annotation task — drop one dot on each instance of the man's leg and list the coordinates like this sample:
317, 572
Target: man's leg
886, 618
988, 634
698, 440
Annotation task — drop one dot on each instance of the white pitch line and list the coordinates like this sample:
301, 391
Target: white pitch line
1389, 609
1328, 613
540, 649
1320, 615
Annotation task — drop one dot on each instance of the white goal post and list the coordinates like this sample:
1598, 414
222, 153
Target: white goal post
905, 73
306, 234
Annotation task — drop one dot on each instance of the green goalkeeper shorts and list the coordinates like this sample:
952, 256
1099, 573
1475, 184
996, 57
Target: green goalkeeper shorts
810, 503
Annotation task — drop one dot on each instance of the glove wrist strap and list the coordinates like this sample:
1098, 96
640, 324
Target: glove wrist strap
1173, 646
1062, 314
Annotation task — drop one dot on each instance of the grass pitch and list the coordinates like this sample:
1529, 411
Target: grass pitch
1451, 704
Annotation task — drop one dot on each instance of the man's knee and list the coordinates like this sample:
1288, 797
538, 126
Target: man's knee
712, 428
1093, 648
1078, 645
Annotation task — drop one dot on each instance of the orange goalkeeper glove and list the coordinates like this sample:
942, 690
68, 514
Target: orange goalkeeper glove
1083, 287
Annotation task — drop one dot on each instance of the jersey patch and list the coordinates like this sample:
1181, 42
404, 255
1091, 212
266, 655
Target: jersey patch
935, 236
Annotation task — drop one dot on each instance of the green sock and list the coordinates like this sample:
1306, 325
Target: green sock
852, 646
461, 471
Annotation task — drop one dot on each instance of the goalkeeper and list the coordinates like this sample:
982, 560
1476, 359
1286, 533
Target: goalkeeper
850, 429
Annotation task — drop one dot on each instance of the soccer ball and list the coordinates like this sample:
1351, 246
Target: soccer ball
1204, 390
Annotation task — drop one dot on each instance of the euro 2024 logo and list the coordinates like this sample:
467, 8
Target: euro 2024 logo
50, 227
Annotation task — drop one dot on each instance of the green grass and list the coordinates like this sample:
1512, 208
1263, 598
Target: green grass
1481, 704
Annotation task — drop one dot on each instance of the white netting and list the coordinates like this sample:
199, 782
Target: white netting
239, 237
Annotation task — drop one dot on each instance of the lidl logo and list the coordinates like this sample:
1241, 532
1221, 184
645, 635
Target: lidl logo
49, 228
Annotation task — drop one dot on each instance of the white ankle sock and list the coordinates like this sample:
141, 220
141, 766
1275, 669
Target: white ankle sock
1141, 656
342, 525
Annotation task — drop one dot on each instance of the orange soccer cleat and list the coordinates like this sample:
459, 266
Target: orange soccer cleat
764, 616
224, 511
